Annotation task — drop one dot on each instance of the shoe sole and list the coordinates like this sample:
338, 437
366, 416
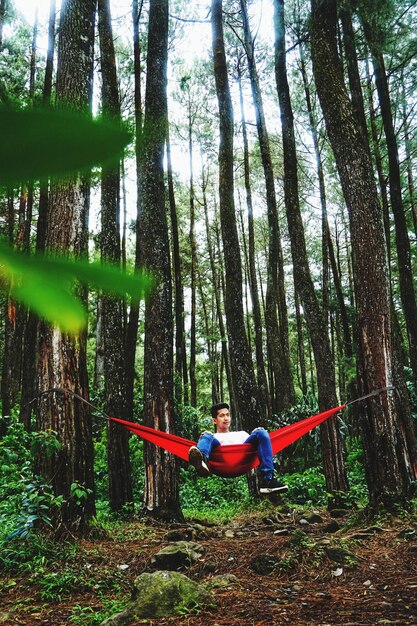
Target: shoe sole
195, 457
273, 489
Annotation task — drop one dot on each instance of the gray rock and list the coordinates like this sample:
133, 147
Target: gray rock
162, 594
264, 564
338, 513
282, 532
222, 580
210, 567
315, 518
337, 554
184, 534
407, 533
178, 555
332, 527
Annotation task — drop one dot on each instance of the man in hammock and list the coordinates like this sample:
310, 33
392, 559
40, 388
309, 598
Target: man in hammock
199, 455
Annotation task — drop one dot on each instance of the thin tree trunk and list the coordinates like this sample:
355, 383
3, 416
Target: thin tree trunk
300, 344
408, 155
133, 323
17, 315
3, 6
333, 462
193, 281
256, 309
284, 395
215, 280
210, 347
161, 497
30, 352
120, 475
181, 382
247, 395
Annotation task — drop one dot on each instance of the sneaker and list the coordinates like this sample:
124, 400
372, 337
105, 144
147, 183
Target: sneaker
199, 460
272, 485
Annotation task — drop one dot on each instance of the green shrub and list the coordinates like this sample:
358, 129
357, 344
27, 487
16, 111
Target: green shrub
307, 488
25, 500
213, 495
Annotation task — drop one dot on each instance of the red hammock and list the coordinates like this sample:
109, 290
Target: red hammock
230, 460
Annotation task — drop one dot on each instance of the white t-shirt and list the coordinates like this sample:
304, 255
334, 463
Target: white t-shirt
234, 437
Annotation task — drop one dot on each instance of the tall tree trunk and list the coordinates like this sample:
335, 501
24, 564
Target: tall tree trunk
389, 457
328, 243
193, 276
377, 156
333, 462
161, 498
17, 326
215, 280
352, 67
30, 351
181, 382
247, 396
14, 326
256, 309
405, 272
120, 475
62, 357
412, 200
210, 343
300, 343
133, 323
3, 6
284, 395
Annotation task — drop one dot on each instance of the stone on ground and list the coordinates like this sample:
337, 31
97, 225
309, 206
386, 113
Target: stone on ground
161, 594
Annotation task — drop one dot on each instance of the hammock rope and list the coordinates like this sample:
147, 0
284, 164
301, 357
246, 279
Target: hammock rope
228, 461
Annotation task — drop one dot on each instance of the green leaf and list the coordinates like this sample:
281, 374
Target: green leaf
53, 303
41, 143
46, 284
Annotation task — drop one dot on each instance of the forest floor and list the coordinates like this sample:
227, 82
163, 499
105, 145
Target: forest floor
291, 567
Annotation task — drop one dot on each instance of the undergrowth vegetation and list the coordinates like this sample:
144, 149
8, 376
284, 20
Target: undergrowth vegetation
26, 502
30, 553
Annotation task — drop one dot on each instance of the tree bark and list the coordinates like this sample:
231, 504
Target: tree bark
408, 146
256, 308
62, 357
300, 343
181, 371
30, 351
193, 275
247, 395
278, 339
389, 457
133, 323
3, 6
333, 462
216, 279
405, 271
120, 474
161, 498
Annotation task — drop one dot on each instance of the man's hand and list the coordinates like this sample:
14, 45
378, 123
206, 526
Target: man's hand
258, 428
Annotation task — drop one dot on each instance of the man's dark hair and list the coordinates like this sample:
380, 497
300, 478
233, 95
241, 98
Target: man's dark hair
217, 407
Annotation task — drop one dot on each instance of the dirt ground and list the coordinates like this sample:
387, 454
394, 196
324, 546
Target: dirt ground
290, 568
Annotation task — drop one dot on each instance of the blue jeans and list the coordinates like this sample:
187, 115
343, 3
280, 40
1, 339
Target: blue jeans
259, 438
